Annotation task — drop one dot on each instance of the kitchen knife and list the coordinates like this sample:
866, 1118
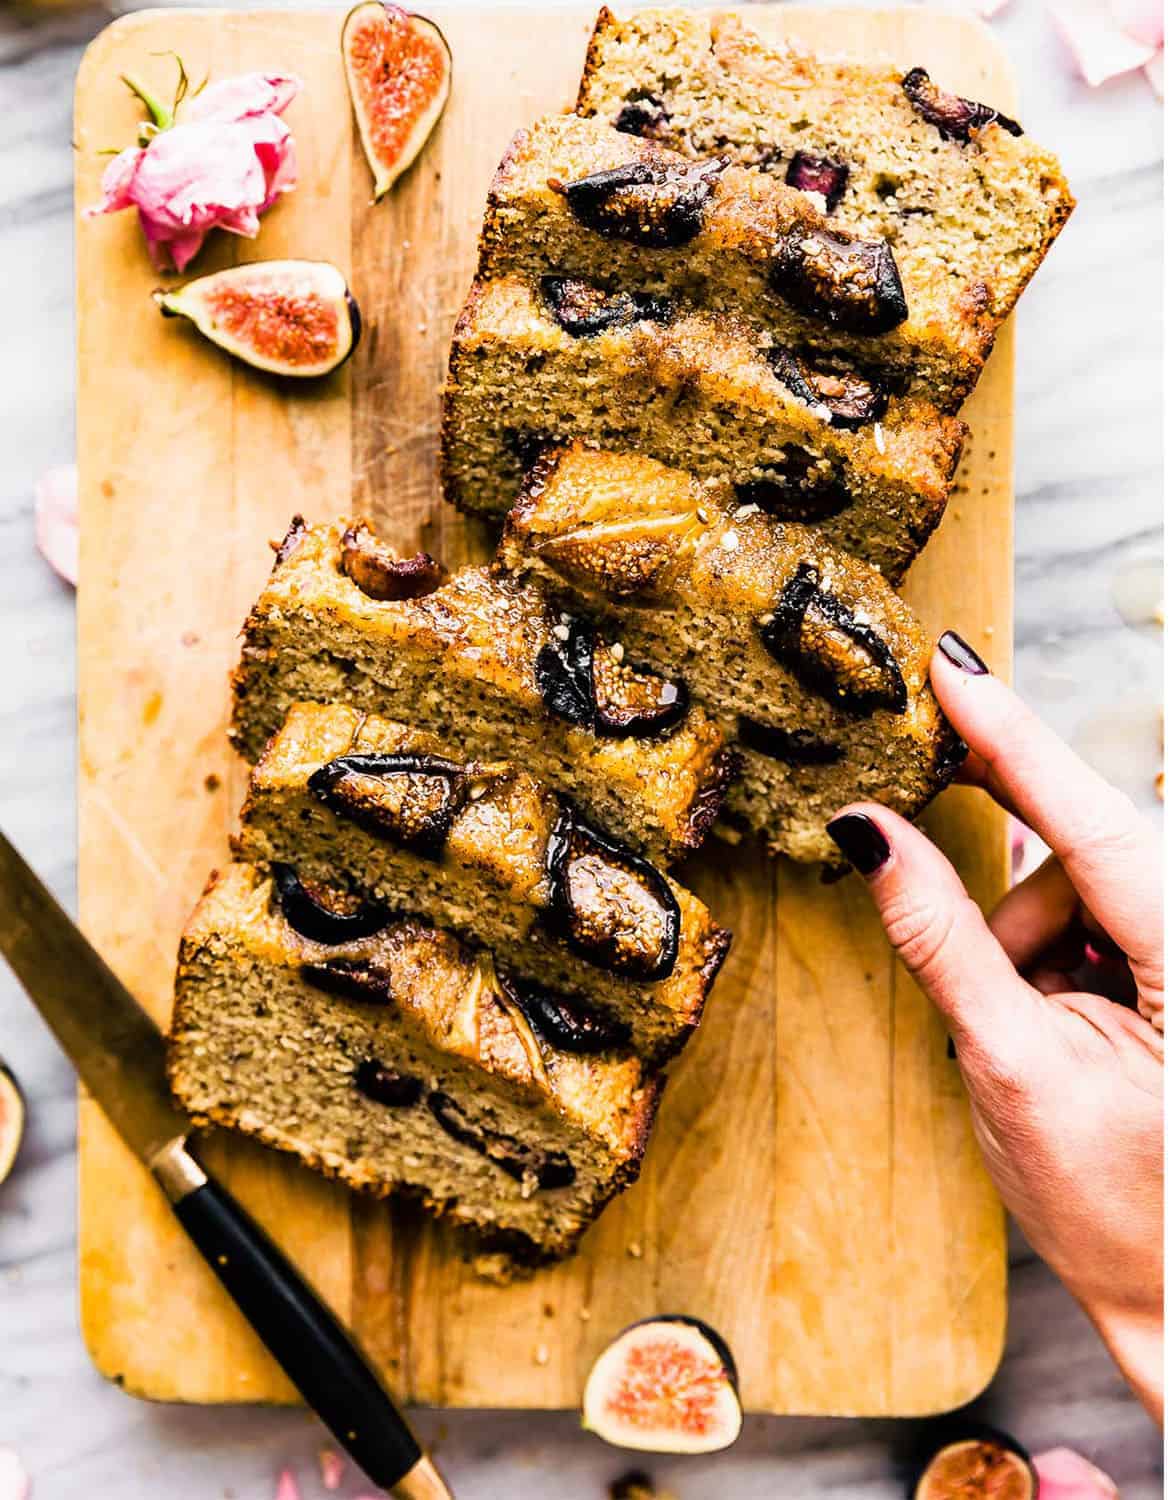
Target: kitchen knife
120, 1056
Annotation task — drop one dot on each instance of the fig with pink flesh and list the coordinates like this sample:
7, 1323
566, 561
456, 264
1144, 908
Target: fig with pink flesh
11, 1121
398, 67
978, 1464
665, 1385
289, 317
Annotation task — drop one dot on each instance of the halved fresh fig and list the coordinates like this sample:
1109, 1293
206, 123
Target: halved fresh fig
289, 317
412, 800
981, 1465
951, 115
848, 283
650, 202
813, 634
398, 67
665, 1385
12, 1116
848, 398
381, 574
608, 903
324, 916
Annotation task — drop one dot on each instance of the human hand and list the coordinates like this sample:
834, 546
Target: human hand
1065, 1085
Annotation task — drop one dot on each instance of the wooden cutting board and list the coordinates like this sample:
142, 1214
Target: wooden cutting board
812, 1188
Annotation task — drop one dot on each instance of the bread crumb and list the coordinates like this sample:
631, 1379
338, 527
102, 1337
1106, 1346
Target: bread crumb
541, 1355
742, 513
729, 541
617, 651
634, 1251
561, 632
879, 437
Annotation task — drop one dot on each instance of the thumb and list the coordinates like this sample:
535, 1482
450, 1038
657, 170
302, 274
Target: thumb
935, 927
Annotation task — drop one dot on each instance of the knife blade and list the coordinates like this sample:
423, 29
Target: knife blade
120, 1056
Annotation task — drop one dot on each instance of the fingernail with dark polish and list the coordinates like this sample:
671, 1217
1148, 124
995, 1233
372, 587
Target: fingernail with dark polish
966, 658
861, 841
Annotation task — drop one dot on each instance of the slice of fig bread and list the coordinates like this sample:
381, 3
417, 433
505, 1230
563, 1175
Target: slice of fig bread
528, 370
963, 197
575, 199
807, 655
481, 661
393, 1057
393, 816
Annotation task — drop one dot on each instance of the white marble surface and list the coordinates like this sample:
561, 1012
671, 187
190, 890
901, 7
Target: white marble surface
1089, 514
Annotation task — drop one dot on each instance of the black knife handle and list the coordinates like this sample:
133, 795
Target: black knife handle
307, 1341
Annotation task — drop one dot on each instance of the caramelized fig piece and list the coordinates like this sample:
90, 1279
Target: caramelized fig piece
564, 674
813, 634
358, 979
608, 903
850, 284
644, 115
386, 1085
850, 399
412, 800
951, 115
325, 916
818, 174
633, 704
381, 574
532, 1166
584, 682
796, 747
566, 1021
583, 309
656, 204
291, 540
801, 488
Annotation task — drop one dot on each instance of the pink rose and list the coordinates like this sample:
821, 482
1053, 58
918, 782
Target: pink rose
220, 167
1065, 1475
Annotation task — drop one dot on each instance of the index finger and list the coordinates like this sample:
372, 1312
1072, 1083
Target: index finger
1108, 849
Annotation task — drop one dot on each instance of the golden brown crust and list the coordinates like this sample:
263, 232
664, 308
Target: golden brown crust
440, 996
695, 390
729, 264
476, 634
494, 860
715, 82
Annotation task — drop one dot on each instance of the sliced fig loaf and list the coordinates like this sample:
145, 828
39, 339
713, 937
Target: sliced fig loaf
363, 804
575, 198
528, 369
960, 193
808, 656
398, 1061
479, 660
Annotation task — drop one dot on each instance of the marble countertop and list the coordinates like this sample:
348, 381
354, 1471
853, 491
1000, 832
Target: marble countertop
1088, 469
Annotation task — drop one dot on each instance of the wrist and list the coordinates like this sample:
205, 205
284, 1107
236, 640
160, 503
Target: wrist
1133, 1333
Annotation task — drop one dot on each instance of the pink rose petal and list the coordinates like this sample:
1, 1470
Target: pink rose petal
236, 99
287, 1487
332, 1468
1101, 47
14, 1481
222, 166
1143, 20
1153, 72
1065, 1475
55, 510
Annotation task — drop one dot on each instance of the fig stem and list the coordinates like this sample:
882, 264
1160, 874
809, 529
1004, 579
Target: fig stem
160, 115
